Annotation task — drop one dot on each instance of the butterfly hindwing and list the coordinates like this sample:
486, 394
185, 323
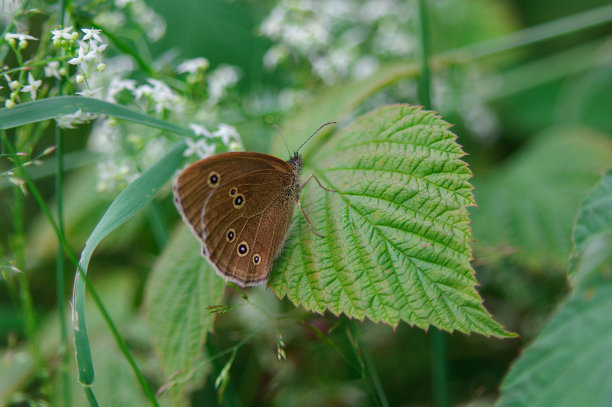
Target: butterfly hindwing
244, 223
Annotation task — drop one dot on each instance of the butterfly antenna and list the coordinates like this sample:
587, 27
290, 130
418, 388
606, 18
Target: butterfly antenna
284, 141
313, 134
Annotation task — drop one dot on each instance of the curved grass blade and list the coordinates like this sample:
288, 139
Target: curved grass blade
135, 197
51, 108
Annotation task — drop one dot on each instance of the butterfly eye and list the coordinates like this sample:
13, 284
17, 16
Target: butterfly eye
213, 179
233, 192
243, 249
256, 259
231, 235
238, 201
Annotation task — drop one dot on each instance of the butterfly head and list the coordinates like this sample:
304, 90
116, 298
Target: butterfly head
296, 163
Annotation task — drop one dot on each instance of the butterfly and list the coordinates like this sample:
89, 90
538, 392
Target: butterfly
239, 205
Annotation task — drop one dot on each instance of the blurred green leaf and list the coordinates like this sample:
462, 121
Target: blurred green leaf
594, 217
458, 23
396, 245
526, 207
570, 362
181, 288
334, 103
135, 197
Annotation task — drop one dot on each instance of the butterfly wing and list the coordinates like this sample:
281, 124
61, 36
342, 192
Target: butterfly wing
245, 221
195, 183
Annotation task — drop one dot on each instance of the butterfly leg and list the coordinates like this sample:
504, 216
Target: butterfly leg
318, 182
299, 202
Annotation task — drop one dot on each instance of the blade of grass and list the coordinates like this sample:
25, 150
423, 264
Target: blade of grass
532, 35
135, 197
51, 108
91, 398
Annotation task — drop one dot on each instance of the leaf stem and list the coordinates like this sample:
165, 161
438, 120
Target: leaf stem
439, 376
425, 77
368, 370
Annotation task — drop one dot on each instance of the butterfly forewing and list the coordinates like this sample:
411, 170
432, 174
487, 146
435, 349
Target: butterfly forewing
193, 185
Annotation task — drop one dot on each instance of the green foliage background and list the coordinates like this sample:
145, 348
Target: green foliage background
553, 101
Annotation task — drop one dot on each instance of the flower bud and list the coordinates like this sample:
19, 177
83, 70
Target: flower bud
9, 104
80, 79
15, 85
101, 67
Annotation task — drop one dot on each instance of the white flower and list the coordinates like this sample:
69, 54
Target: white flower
201, 148
19, 37
160, 93
275, 55
123, 3
193, 65
32, 86
91, 93
82, 57
52, 69
199, 130
227, 134
69, 121
95, 50
91, 33
62, 34
117, 85
221, 79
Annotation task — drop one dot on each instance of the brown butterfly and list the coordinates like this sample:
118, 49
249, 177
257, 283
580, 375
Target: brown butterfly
239, 205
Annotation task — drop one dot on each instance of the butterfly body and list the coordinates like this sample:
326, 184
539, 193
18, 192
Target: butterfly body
239, 205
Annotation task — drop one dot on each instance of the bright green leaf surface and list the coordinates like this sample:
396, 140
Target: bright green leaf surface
181, 288
135, 197
527, 207
570, 362
396, 245
595, 215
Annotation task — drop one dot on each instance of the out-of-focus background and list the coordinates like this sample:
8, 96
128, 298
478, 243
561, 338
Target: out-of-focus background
532, 110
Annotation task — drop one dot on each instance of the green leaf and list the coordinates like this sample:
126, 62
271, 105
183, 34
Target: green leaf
396, 245
527, 206
51, 108
181, 288
570, 363
135, 197
594, 216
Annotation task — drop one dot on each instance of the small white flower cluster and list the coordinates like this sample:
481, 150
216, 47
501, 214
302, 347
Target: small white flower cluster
138, 12
339, 38
70, 121
157, 94
88, 58
205, 146
19, 41
220, 80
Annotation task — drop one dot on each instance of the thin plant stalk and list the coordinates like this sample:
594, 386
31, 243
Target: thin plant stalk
439, 362
368, 371
60, 271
